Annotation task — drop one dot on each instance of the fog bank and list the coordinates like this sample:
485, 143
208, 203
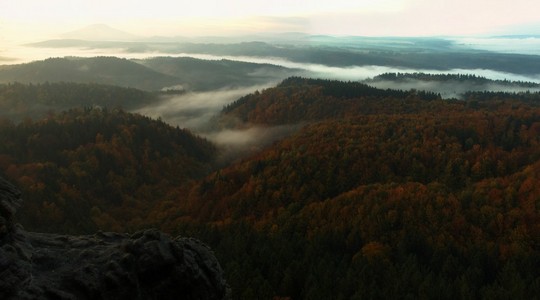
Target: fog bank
193, 110
355, 73
236, 143
448, 89
504, 44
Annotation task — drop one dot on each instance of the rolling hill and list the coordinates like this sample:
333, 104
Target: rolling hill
380, 194
460, 86
102, 70
203, 75
19, 101
420, 194
398, 52
81, 170
151, 74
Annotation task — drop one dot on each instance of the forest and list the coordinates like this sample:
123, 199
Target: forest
427, 53
469, 78
379, 193
95, 168
34, 101
150, 74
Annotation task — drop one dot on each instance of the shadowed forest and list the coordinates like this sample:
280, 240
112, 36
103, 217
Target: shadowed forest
368, 193
273, 150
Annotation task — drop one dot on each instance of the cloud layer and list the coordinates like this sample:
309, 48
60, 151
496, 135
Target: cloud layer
193, 110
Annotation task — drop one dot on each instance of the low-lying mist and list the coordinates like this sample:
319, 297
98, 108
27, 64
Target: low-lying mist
236, 143
448, 89
504, 44
355, 73
193, 110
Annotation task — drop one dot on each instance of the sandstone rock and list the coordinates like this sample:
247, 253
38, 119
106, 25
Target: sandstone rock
145, 265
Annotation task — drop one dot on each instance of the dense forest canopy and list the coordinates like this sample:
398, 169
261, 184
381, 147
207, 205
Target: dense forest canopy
423, 195
380, 194
19, 101
298, 99
96, 168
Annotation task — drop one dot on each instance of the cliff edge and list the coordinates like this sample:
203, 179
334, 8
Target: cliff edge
145, 265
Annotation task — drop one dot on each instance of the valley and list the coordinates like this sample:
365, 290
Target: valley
428, 193
284, 150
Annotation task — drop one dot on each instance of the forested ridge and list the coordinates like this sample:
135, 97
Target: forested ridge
385, 194
298, 99
151, 74
404, 53
94, 168
103, 70
382, 194
469, 78
196, 74
20, 101
420, 203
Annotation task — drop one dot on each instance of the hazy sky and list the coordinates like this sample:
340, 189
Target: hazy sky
30, 19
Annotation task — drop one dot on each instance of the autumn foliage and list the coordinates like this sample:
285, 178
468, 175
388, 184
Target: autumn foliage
84, 170
380, 195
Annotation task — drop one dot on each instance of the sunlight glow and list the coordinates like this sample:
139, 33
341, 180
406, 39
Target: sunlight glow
24, 20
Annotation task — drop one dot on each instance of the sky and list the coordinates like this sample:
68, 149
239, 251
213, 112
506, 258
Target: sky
28, 20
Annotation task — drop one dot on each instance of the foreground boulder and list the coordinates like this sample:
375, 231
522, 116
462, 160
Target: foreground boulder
144, 265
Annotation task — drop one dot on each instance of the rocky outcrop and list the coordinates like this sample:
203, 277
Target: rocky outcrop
144, 265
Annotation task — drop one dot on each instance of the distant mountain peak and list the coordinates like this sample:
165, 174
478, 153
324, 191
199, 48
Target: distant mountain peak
99, 32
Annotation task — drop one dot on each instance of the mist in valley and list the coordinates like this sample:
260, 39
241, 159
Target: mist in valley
357, 73
524, 44
279, 187
237, 143
449, 89
203, 98
194, 110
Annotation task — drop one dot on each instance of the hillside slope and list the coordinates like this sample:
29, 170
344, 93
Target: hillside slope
435, 199
381, 194
152, 74
201, 75
298, 99
103, 70
84, 170
19, 101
